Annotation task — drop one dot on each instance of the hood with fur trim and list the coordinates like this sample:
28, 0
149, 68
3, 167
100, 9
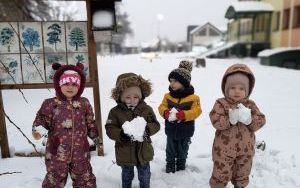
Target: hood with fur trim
239, 68
128, 80
60, 69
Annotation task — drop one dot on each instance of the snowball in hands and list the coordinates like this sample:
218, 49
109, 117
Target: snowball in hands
39, 132
172, 116
135, 128
244, 114
233, 116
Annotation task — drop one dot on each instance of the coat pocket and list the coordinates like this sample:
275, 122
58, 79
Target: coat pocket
147, 151
123, 152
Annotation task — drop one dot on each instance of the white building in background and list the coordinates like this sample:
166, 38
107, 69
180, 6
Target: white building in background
206, 35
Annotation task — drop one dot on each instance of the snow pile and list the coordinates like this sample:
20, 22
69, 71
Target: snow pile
269, 52
252, 6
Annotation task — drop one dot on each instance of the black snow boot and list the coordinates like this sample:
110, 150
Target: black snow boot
180, 165
170, 167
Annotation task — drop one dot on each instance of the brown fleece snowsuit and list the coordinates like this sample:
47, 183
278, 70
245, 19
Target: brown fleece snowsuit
233, 147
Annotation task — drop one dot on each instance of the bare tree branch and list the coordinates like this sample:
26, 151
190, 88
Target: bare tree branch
7, 70
20, 130
6, 173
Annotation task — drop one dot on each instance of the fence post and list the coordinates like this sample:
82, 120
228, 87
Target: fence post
3, 133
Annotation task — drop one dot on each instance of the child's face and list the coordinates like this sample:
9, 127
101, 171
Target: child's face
175, 85
132, 100
237, 92
69, 90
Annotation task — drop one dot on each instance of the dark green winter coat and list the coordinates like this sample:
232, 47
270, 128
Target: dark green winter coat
131, 152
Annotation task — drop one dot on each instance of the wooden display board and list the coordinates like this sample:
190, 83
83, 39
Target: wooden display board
28, 50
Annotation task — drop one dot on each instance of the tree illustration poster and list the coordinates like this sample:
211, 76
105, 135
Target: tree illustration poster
10, 69
76, 34
30, 35
50, 59
33, 68
28, 50
9, 42
74, 58
54, 37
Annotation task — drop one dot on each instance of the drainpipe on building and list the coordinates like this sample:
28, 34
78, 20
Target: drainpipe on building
291, 23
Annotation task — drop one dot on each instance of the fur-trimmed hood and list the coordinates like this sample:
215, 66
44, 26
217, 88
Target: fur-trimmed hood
60, 69
239, 68
130, 79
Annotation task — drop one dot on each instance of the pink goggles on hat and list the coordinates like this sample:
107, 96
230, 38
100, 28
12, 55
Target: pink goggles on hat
72, 78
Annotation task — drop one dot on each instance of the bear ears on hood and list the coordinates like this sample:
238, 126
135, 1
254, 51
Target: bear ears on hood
128, 80
60, 69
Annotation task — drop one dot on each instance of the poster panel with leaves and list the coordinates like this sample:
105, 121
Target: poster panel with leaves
31, 37
54, 37
10, 69
76, 34
51, 59
9, 41
33, 68
74, 58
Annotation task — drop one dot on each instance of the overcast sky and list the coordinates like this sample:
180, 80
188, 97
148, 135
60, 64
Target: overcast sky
177, 15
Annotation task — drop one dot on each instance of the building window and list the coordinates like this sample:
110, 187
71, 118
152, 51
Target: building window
276, 21
262, 26
202, 32
286, 19
257, 24
212, 32
296, 21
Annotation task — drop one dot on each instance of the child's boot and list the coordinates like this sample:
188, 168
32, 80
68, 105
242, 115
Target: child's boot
180, 165
170, 167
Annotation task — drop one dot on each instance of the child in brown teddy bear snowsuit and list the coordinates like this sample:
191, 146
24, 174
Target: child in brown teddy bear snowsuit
67, 119
236, 119
130, 124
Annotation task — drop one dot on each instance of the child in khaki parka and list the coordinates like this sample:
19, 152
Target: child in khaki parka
131, 113
236, 118
180, 107
68, 119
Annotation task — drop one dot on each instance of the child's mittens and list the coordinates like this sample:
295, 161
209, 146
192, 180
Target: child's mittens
124, 137
233, 116
173, 115
244, 114
167, 114
180, 115
38, 132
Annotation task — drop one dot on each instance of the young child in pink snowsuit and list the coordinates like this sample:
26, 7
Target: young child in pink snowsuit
236, 118
67, 119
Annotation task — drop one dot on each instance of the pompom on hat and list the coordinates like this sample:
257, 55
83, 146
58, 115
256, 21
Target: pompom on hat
183, 73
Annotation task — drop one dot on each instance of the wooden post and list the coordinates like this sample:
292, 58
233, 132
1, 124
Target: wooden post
3, 133
94, 76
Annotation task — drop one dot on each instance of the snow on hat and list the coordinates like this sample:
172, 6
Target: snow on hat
237, 78
183, 73
70, 76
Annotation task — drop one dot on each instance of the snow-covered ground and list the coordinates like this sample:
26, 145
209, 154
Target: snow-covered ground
276, 93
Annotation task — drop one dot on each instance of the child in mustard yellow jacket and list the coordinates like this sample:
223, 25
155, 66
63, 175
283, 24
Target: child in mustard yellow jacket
180, 107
